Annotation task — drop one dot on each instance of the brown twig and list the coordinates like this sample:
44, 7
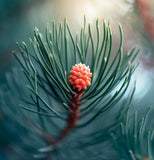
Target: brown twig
73, 118
71, 122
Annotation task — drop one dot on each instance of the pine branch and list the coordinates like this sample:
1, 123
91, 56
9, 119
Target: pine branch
135, 141
64, 102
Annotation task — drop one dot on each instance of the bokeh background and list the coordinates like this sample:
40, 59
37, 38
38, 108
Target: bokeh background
19, 17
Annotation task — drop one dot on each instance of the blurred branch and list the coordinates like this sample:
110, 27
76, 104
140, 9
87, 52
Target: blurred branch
146, 17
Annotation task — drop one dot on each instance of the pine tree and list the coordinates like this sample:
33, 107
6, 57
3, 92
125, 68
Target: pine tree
67, 103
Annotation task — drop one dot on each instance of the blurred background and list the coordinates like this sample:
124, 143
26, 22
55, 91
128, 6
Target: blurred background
19, 17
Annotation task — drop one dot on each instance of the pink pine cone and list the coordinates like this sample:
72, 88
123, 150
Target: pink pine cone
80, 77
